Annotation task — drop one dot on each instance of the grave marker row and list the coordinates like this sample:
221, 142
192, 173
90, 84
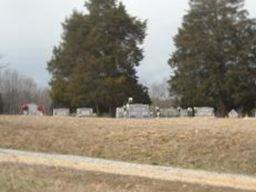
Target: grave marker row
80, 112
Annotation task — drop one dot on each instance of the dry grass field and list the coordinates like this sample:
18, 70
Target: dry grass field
226, 145
21, 178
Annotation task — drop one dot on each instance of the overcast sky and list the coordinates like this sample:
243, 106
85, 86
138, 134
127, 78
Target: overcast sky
30, 28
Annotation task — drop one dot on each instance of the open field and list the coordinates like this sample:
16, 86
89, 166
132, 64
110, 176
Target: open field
21, 178
224, 145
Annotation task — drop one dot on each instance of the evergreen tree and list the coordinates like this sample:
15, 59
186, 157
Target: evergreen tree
215, 60
95, 63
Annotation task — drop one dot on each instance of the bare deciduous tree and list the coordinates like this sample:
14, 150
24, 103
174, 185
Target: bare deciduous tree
159, 93
17, 89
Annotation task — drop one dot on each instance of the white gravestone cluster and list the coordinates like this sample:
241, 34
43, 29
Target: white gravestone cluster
61, 112
204, 112
133, 111
84, 112
138, 111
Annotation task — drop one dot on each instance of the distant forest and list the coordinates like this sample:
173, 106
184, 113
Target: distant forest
16, 90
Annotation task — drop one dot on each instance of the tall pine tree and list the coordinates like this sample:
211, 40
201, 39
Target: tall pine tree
95, 63
215, 59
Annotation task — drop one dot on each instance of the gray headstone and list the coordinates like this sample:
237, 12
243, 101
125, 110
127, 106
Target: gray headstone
120, 112
169, 113
61, 112
184, 113
138, 111
204, 112
84, 112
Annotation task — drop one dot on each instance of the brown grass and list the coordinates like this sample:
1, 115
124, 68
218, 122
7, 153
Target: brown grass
212, 144
20, 178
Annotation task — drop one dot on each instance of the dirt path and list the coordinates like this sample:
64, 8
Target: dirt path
128, 169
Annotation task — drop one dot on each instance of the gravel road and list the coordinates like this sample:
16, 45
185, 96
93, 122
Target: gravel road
127, 169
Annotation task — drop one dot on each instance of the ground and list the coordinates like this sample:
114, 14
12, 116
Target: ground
21, 178
225, 145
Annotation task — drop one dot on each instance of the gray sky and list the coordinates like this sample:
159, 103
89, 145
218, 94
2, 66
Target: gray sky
30, 29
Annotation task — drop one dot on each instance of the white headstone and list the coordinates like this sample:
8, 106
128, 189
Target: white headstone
61, 112
120, 112
138, 111
84, 112
233, 114
204, 112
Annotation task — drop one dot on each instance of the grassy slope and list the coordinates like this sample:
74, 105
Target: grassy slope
19, 178
212, 144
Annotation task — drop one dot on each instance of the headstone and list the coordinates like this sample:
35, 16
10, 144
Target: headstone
253, 113
183, 113
138, 111
32, 109
84, 112
190, 112
61, 112
169, 113
233, 114
204, 112
120, 112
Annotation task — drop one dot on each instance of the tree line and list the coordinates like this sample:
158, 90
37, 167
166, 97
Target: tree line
16, 89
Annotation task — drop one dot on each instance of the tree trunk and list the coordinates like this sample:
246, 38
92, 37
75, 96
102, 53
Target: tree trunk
221, 110
97, 109
112, 111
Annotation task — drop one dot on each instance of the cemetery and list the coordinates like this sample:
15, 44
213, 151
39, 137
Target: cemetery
139, 111
105, 90
134, 111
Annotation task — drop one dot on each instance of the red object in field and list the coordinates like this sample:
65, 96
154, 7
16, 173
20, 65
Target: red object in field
41, 109
24, 107
32, 109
